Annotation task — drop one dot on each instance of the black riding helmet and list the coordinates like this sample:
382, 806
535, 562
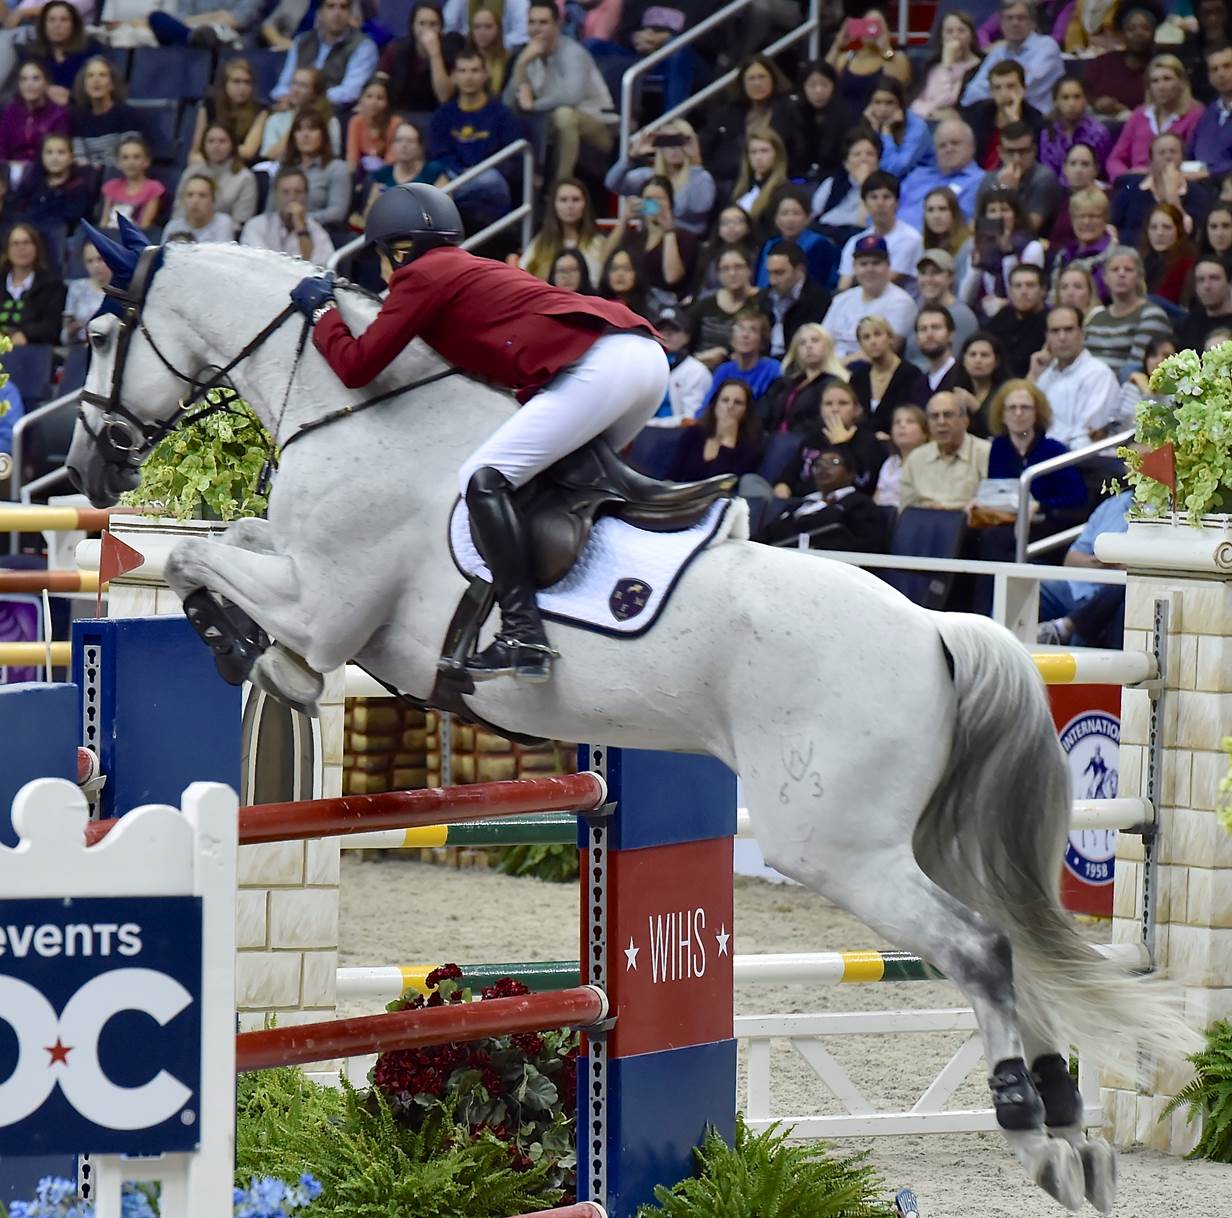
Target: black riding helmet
414, 212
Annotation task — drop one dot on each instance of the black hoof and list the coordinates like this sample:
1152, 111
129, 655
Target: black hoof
1058, 1091
235, 639
1017, 1103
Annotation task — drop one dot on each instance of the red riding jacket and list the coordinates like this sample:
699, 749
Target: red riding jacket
493, 320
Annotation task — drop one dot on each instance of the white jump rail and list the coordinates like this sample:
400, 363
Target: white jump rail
385, 982
1125, 814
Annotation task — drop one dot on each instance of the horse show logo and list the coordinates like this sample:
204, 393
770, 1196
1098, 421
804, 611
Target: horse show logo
1092, 742
63, 1050
629, 597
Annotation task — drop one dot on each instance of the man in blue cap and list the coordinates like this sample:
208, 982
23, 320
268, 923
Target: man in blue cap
874, 295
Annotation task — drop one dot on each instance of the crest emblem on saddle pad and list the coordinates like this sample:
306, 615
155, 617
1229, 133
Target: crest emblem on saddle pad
628, 599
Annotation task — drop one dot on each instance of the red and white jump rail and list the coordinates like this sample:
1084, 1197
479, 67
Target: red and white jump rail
400, 810
583, 1006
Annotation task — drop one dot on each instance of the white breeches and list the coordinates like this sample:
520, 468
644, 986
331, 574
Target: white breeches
610, 392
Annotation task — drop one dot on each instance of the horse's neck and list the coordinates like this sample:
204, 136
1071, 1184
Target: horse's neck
225, 296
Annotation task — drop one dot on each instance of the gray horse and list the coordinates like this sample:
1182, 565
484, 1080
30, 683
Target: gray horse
901, 762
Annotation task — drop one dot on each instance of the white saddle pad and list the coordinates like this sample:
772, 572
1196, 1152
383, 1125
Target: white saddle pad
624, 575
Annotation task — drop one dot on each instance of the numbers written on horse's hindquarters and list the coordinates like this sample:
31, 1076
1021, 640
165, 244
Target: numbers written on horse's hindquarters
797, 760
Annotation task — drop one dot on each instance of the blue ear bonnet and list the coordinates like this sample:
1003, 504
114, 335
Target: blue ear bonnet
121, 258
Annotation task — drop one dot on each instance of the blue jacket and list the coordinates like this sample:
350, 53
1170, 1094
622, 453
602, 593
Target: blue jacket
1064, 489
820, 253
759, 378
462, 138
916, 148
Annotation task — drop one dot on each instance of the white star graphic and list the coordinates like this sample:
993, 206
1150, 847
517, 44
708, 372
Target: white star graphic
723, 937
631, 955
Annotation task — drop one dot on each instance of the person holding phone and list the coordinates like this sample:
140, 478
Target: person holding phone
860, 53
674, 154
663, 256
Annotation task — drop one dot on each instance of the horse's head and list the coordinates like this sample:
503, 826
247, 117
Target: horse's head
131, 395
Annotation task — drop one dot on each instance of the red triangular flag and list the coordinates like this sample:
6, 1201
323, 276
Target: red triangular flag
116, 558
1160, 466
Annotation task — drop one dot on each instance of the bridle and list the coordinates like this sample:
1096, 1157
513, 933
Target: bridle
122, 440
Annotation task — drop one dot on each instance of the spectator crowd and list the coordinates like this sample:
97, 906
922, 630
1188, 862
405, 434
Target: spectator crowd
888, 278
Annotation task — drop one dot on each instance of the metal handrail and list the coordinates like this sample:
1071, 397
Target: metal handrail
1054, 541
1022, 526
629, 79
24, 424
524, 212
811, 27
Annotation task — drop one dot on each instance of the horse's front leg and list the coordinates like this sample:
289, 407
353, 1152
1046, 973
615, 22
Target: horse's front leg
237, 591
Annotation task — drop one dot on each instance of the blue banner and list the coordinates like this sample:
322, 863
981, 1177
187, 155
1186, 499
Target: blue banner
100, 1025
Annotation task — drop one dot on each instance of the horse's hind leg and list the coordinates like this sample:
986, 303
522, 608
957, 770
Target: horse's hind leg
889, 892
1063, 1107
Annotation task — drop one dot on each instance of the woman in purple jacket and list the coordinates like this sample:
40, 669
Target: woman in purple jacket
30, 116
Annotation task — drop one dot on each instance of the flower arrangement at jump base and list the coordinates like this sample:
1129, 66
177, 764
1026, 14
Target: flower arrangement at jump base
1186, 438
521, 1089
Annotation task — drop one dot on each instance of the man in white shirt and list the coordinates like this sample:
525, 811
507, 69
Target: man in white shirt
288, 228
880, 195
1082, 390
873, 294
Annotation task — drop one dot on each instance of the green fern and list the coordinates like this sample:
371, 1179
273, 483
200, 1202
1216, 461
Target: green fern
557, 864
764, 1177
1209, 1096
370, 1164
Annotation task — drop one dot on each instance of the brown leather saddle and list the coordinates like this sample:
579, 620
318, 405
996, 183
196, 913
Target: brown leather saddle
563, 503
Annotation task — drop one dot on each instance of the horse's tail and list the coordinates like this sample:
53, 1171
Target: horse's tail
993, 834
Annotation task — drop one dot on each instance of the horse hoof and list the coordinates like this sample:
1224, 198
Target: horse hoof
286, 677
1099, 1166
1059, 1172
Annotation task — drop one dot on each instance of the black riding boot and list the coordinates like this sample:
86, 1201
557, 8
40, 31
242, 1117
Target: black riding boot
521, 647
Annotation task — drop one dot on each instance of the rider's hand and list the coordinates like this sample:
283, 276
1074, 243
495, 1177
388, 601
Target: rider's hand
310, 294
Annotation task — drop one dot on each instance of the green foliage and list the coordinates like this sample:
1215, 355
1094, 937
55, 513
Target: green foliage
370, 1163
764, 1177
1209, 1096
6, 344
210, 469
1194, 413
559, 864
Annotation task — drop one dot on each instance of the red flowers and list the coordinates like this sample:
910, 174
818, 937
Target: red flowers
521, 1089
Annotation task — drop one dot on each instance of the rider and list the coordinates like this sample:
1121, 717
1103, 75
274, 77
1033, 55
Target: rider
582, 367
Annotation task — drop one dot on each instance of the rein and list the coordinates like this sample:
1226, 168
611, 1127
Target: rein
124, 440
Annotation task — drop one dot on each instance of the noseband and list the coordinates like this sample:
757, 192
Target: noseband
122, 439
